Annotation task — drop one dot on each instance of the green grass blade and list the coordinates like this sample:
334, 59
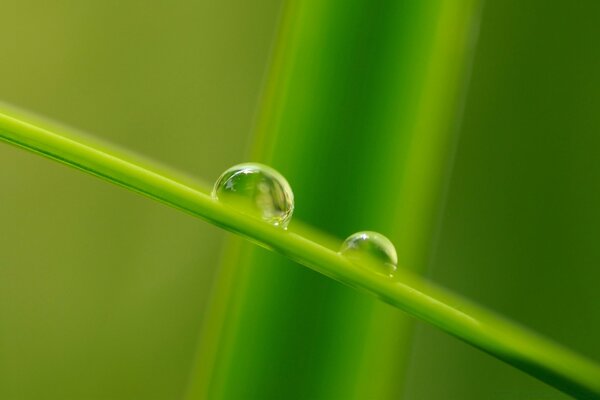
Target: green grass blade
549, 362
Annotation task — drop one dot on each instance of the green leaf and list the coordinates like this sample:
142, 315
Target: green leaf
360, 114
540, 357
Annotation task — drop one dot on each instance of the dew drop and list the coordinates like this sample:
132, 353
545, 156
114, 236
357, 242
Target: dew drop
257, 190
373, 248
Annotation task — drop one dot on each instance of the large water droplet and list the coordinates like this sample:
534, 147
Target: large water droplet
257, 190
372, 248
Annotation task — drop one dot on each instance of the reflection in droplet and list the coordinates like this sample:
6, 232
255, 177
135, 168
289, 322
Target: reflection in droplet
372, 248
257, 190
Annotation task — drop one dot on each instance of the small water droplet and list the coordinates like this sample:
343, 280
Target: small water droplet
373, 248
257, 190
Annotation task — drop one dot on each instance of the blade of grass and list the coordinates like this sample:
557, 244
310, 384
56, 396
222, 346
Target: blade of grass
539, 357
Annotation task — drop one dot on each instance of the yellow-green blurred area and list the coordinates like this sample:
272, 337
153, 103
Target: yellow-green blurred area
103, 292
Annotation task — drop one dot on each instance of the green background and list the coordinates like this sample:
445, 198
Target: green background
102, 292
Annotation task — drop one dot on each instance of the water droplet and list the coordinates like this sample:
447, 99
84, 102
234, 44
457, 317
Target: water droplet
373, 248
257, 190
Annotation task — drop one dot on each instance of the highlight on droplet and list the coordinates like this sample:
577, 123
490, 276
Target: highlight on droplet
371, 248
257, 190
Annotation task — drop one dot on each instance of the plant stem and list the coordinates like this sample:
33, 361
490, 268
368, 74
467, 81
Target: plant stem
527, 351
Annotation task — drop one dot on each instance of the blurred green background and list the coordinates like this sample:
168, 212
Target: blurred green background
103, 292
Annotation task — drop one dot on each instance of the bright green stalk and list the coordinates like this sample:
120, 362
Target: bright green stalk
549, 362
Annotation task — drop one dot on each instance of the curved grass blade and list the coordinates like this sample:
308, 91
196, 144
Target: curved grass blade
505, 340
